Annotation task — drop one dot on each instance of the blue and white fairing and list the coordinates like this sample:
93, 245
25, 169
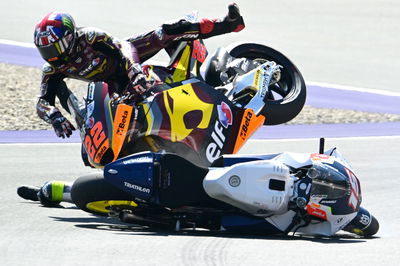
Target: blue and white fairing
252, 186
261, 188
133, 174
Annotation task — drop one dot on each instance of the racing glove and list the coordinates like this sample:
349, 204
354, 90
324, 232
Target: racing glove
136, 88
61, 125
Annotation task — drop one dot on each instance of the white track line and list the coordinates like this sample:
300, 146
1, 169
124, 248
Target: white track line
21, 44
327, 138
351, 88
249, 141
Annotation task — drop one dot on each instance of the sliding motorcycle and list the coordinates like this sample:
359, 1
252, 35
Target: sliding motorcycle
307, 193
165, 158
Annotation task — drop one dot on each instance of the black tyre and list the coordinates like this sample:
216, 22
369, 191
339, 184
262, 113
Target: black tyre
364, 224
288, 95
93, 194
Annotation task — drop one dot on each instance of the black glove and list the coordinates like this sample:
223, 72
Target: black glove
61, 125
139, 86
134, 90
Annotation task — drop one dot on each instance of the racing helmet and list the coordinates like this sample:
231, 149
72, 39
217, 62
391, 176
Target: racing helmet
55, 37
335, 194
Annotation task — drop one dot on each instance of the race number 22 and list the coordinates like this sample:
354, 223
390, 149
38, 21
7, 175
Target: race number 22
95, 139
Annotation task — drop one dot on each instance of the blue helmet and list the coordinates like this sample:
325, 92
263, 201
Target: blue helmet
55, 37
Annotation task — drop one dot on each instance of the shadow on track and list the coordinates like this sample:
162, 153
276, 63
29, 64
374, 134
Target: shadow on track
116, 226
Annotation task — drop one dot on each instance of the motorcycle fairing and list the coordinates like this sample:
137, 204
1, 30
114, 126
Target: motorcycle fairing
231, 159
106, 126
158, 178
263, 191
187, 60
200, 117
95, 131
181, 114
121, 123
249, 124
133, 174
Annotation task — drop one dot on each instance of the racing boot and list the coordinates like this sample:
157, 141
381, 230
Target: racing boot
206, 28
49, 195
28, 193
232, 22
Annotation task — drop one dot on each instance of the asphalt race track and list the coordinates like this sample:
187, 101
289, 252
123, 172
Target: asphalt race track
34, 235
351, 43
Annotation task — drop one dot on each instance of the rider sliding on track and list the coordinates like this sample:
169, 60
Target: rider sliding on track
91, 54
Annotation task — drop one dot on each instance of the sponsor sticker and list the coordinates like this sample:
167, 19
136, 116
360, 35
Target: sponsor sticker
89, 109
225, 114
213, 149
90, 96
234, 181
316, 157
313, 210
136, 187
89, 122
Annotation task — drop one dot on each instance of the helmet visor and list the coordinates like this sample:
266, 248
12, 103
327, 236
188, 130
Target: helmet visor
56, 50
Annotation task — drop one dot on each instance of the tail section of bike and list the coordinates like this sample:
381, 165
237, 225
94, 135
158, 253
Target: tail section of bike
153, 179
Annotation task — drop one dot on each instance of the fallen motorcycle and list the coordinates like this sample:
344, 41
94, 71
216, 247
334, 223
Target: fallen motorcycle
200, 107
203, 106
310, 193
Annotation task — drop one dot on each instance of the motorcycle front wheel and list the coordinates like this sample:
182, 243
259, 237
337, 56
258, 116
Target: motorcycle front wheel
364, 224
287, 97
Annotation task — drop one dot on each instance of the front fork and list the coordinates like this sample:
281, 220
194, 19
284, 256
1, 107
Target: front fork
256, 83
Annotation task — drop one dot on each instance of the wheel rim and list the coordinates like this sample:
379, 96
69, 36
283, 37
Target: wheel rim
103, 206
287, 97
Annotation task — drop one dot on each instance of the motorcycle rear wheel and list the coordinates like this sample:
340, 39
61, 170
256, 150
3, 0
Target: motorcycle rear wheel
91, 193
291, 88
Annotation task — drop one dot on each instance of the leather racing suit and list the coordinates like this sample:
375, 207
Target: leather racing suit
98, 56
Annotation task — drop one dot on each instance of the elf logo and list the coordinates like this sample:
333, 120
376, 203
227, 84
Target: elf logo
213, 149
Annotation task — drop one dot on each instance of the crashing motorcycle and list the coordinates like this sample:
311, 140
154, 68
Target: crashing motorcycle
203, 105
307, 193
206, 106
165, 158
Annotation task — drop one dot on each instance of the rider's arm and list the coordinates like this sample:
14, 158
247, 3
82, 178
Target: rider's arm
52, 83
125, 54
51, 80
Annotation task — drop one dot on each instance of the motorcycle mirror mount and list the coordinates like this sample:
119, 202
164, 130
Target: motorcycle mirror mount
321, 145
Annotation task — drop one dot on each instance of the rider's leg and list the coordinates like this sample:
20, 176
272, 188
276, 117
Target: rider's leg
50, 194
206, 28
152, 42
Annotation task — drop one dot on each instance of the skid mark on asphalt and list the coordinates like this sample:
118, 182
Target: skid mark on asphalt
205, 251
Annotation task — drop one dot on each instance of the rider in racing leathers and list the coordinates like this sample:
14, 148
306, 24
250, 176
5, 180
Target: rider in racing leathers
90, 54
